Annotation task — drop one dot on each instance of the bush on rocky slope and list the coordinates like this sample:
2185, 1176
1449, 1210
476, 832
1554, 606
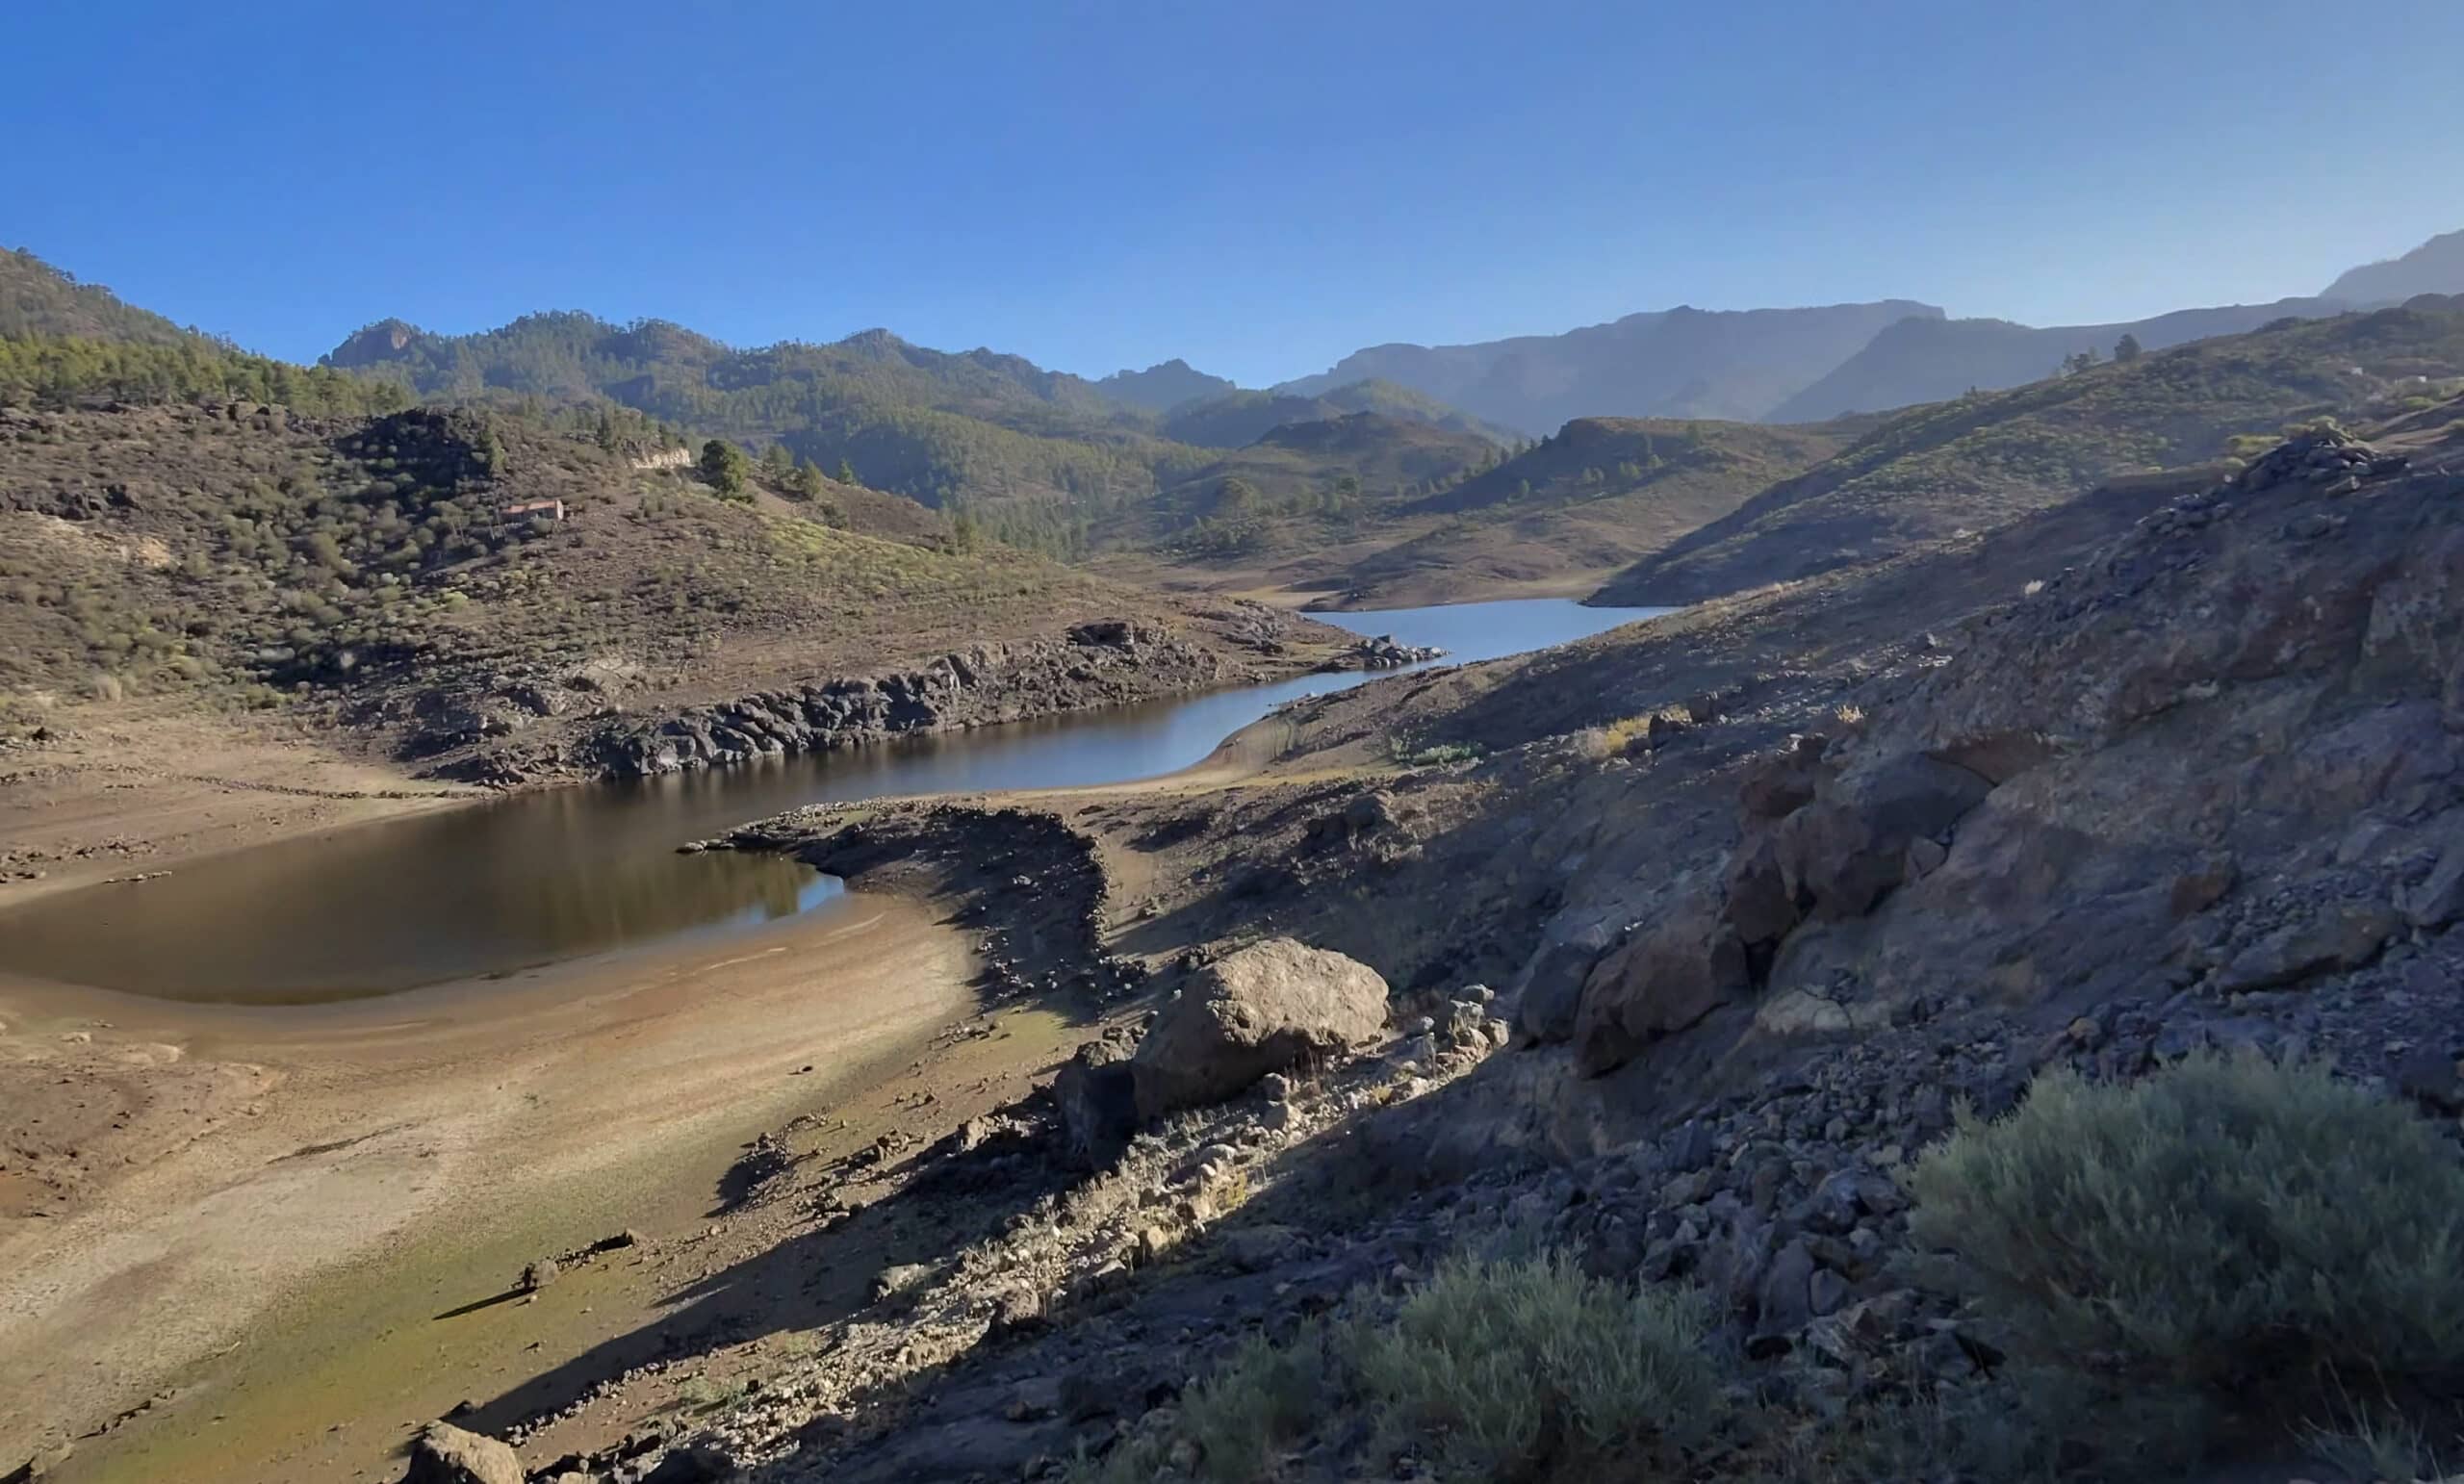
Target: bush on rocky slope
2258, 1237
1506, 1369
1235, 1422
1530, 1369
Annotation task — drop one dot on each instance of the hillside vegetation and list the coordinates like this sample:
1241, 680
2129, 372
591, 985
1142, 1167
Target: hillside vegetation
1600, 493
421, 572
1164, 386
1040, 458
1237, 419
1446, 517
1980, 460
37, 298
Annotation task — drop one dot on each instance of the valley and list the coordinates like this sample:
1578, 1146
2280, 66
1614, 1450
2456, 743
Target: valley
581, 903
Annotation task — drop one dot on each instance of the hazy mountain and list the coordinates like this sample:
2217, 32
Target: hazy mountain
2435, 267
1932, 360
37, 298
1683, 363
1164, 387
1243, 418
1978, 460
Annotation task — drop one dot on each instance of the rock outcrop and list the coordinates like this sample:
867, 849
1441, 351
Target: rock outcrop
1383, 653
1275, 1004
1097, 664
2255, 696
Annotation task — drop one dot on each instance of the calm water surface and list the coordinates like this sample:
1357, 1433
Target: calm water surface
558, 874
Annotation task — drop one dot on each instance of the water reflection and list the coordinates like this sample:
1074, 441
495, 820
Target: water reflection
556, 875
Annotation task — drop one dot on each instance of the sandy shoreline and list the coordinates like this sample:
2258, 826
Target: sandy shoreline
233, 1155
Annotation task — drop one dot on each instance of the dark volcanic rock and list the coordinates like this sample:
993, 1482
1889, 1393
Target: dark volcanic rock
1098, 663
1097, 1099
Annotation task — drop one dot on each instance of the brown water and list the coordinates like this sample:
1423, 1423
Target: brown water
542, 877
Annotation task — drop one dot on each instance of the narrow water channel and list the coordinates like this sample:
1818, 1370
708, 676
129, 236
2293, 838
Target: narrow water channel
541, 877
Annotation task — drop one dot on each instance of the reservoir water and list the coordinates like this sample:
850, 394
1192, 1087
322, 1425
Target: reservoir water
540, 877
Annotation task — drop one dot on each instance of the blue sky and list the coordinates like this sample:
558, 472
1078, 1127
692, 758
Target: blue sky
1259, 187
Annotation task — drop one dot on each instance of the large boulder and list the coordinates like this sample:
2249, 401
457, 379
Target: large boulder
1266, 1008
446, 1454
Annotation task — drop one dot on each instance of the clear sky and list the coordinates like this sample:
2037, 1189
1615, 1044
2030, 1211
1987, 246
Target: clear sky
1259, 187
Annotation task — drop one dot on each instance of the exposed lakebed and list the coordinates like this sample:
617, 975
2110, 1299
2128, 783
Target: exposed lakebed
558, 874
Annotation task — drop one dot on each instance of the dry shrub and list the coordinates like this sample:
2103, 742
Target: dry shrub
1528, 1368
2262, 1236
1232, 1426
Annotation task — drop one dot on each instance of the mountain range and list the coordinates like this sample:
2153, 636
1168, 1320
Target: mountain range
1679, 363
885, 405
1327, 479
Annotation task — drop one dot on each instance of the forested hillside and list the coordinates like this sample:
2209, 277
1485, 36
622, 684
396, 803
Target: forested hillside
37, 298
1239, 418
1038, 455
1163, 387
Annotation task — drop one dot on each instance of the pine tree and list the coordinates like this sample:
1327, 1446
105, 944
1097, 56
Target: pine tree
724, 464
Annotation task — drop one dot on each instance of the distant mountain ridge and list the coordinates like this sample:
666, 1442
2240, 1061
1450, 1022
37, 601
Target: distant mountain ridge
1975, 461
2435, 267
1732, 365
1237, 419
1934, 360
1163, 387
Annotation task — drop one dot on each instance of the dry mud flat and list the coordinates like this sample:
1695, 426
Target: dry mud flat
245, 1226
125, 792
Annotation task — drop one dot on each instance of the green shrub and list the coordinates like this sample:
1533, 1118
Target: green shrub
1237, 1421
2249, 1233
1523, 1368
1436, 754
